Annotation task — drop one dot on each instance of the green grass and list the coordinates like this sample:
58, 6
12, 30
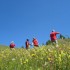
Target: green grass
43, 58
3, 47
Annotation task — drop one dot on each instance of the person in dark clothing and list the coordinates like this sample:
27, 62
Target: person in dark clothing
27, 44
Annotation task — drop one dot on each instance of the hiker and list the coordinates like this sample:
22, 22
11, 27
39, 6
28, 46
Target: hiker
27, 44
12, 45
54, 37
35, 42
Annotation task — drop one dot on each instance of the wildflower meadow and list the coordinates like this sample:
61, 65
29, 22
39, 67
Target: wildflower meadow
46, 57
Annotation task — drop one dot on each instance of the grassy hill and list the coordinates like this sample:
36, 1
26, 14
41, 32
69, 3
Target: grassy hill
42, 58
2, 47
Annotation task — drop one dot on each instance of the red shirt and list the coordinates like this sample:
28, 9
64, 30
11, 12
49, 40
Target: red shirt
53, 35
35, 42
12, 45
27, 44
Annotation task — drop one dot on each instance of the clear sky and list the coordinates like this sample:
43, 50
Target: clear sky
22, 19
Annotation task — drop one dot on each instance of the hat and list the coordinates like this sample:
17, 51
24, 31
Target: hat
33, 37
27, 39
12, 41
53, 30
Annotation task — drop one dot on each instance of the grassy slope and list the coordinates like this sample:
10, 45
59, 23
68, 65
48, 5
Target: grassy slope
43, 58
2, 47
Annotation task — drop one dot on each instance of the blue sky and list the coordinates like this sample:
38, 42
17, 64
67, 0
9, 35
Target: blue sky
22, 19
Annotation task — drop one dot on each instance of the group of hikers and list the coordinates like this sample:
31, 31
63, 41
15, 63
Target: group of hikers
53, 37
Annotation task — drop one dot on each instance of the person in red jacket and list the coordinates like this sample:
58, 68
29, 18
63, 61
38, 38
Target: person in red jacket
12, 45
54, 37
35, 42
27, 44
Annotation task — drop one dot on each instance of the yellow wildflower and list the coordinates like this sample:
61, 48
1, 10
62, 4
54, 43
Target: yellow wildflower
26, 60
49, 59
33, 55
